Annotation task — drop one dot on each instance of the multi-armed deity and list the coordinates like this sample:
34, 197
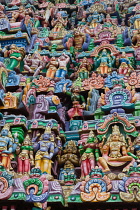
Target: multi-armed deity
114, 151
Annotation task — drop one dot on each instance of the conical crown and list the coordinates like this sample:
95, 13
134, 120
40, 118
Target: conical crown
48, 130
115, 130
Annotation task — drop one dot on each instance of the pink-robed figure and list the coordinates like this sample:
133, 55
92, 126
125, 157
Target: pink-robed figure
88, 155
25, 157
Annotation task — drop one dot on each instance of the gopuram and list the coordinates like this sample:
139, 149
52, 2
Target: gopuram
70, 105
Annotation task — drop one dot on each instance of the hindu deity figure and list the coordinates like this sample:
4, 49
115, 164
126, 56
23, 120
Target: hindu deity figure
95, 19
78, 102
114, 151
62, 70
104, 62
124, 64
52, 68
34, 63
84, 68
135, 148
7, 147
69, 160
89, 154
79, 39
59, 24
18, 14
136, 39
45, 151
25, 157
16, 55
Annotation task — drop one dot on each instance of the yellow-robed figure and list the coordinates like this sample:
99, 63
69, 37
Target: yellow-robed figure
45, 151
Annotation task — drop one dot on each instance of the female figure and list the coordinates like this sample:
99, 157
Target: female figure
25, 157
77, 100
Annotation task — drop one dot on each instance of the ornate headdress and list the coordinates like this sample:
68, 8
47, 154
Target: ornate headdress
115, 129
48, 130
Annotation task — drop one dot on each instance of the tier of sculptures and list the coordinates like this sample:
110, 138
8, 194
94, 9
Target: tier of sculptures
69, 103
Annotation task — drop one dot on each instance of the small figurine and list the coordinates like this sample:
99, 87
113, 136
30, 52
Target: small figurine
124, 65
45, 151
89, 154
34, 63
16, 55
63, 60
52, 68
7, 147
104, 62
25, 157
84, 68
114, 151
77, 100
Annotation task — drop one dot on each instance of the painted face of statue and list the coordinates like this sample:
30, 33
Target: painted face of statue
46, 136
104, 53
4, 132
115, 137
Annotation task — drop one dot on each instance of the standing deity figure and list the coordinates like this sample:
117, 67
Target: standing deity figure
84, 69
136, 39
89, 154
62, 70
104, 62
16, 55
7, 147
114, 151
34, 63
124, 64
52, 68
79, 39
45, 150
135, 149
25, 157
77, 100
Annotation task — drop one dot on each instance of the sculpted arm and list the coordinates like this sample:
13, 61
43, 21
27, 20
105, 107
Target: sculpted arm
124, 152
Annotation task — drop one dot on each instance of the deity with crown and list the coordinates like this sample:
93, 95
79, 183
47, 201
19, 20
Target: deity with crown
7, 147
25, 157
45, 148
114, 151
104, 62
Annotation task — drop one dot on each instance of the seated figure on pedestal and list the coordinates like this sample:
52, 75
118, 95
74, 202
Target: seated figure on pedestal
114, 151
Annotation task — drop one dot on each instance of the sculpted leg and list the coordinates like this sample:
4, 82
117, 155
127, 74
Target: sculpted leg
103, 163
38, 163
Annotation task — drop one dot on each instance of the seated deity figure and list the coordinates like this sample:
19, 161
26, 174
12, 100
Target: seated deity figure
7, 147
104, 62
84, 68
34, 63
124, 64
114, 151
59, 24
45, 150
16, 55
69, 159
